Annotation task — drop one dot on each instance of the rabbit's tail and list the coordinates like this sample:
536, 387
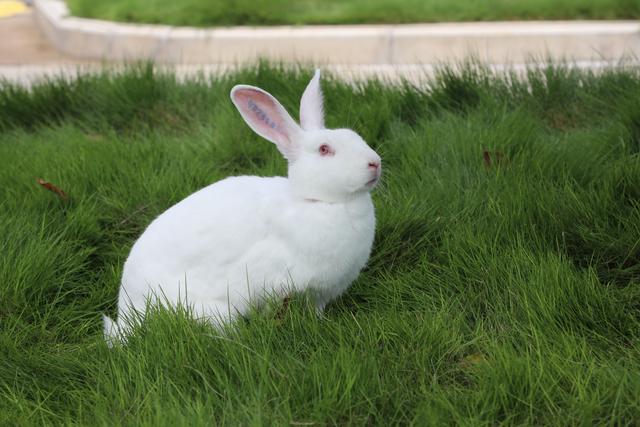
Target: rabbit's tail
112, 331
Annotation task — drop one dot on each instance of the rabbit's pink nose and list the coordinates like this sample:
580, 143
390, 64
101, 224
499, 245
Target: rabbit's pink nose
374, 165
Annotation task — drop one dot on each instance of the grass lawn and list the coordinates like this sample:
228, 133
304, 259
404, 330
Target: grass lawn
503, 288
275, 12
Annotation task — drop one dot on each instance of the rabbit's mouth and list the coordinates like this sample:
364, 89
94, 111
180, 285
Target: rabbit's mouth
372, 183
376, 177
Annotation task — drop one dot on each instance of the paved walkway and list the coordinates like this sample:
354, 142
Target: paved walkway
22, 43
26, 55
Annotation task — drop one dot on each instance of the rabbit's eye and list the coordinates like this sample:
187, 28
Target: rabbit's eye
326, 150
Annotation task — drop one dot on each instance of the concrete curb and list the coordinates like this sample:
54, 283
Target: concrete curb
498, 42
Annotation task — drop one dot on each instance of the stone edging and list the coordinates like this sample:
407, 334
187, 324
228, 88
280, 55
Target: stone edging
497, 42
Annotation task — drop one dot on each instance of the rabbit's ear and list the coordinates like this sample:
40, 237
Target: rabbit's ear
267, 117
311, 105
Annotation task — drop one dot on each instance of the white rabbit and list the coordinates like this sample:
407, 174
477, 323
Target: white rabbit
243, 238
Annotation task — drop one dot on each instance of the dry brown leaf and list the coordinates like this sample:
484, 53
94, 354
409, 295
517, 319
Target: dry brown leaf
494, 157
51, 187
487, 158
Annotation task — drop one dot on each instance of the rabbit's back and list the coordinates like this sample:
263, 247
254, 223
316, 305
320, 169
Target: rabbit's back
191, 248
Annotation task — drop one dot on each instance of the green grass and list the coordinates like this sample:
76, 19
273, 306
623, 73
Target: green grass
503, 294
275, 12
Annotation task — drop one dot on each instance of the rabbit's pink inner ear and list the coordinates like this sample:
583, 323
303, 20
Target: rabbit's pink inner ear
265, 116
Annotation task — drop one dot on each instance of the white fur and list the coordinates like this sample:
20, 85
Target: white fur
311, 105
242, 238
